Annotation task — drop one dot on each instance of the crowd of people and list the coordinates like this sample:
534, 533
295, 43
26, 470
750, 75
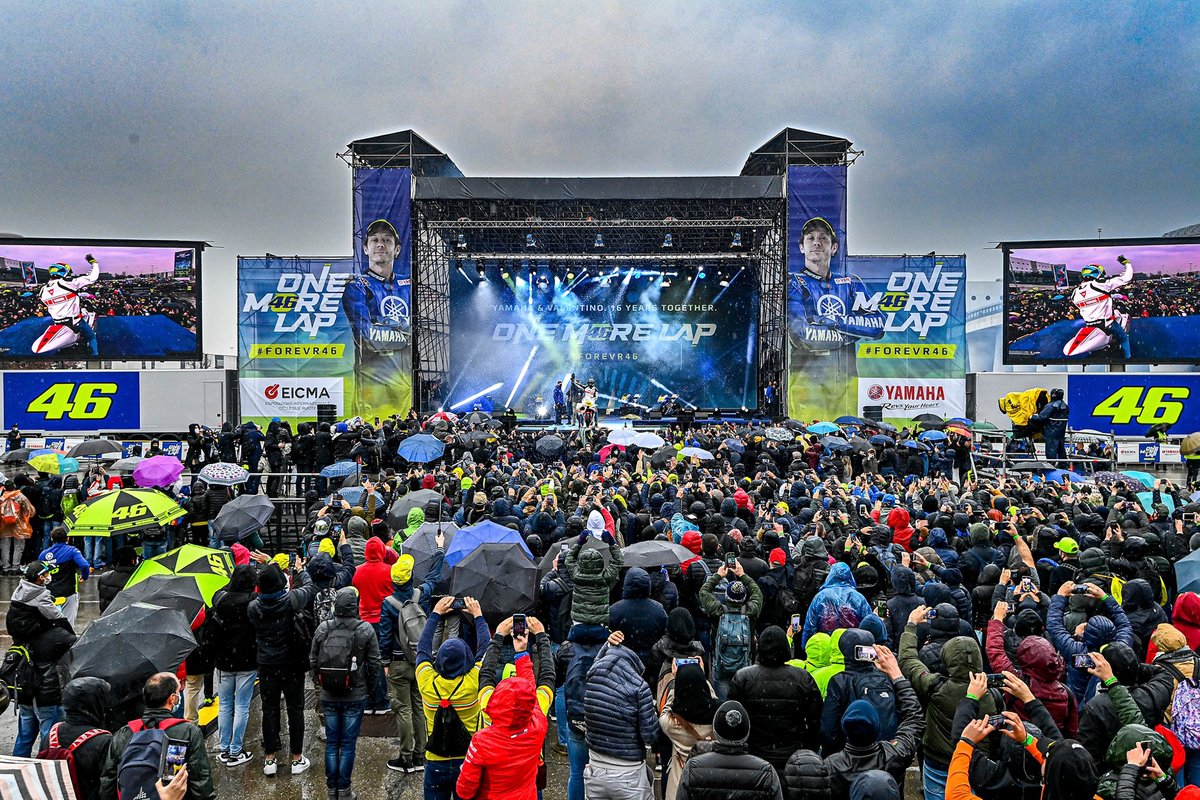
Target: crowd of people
817, 621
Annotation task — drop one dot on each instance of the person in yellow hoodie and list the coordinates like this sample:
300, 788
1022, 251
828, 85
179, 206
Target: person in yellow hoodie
834, 662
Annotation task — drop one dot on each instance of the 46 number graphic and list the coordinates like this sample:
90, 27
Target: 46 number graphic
74, 401
1146, 405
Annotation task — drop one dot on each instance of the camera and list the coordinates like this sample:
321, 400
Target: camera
931, 615
731, 560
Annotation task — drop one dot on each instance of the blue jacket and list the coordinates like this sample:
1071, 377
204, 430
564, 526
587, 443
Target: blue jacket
560, 399
1098, 632
837, 605
823, 315
67, 568
378, 311
389, 616
618, 708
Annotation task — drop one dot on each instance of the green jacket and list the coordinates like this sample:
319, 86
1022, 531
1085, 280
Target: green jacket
1122, 743
200, 784
715, 608
593, 582
834, 661
941, 695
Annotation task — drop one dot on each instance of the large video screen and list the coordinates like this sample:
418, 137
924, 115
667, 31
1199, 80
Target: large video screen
639, 329
1130, 301
99, 299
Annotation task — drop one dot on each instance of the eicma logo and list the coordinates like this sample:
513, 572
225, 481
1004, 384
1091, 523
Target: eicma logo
272, 392
277, 392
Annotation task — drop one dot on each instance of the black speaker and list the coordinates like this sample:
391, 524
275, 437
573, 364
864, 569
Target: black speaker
509, 420
326, 412
655, 414
873, 413
687, 418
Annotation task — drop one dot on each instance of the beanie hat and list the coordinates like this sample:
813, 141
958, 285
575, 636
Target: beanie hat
480, 499
402, 570
681, 628
777, 556
241, 555
736, 593
731, 725
282, 560
860, 723
272, 580
467, 483
326, 547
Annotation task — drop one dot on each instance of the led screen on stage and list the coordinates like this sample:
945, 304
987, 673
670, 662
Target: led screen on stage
100, 299
635, 329
1131, 301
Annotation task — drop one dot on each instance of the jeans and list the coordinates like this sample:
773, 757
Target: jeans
236, 690
934, 780
577, 755
10, 552
440, 778
1190, 774
34, 722
94, 549
560, 717
43, 540
271, 684
342, 723
406, 702
151, 549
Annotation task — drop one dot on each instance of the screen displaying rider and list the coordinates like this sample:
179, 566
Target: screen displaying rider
1093, 298
821, 306
61, 296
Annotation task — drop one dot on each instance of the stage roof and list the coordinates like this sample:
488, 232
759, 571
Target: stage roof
400, 149
795, 147
568, 189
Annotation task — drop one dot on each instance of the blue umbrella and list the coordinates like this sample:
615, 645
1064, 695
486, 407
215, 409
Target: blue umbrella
879, 440
932, 436
846, 419
910, 443
823, 428
1187, 572
355, 495
421, 449
735, 445
466, 540
963, 420
340, 469
1145, 478
1057, 475
1147, 501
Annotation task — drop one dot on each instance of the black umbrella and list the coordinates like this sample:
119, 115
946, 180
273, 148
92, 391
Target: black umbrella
664, 456
127, 647
422, 544
550, 446
180, 592
880, 425
592, 543
834, 443
1031, 466
493, 424
397, 516
795, 425
500, 576
860, 444
18, 456
655, 553
95, 447
242, 516
478, 417
932, 419
475, 438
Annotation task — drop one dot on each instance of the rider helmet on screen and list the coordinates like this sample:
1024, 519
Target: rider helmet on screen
1094, 299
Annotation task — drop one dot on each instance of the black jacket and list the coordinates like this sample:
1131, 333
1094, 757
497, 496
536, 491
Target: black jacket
892, 756
365, 646
728, 772
642, 620
85, 704
805, 776
111, 583
280, 648
784, 704
200, 784
228, 634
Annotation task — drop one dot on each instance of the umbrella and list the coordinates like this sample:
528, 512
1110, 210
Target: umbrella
180, 592
95, 447
880, 425
959, 428
443, 416
1061, 476
421, 546
1144, 478
241, 517
36, 778
356, 496
222, 473
486, 532
493, 424
1117, 477
1147, 501
607, 451
664, 456
123, 511
1031, 466
476, 438
834, 443
1190, 444
127, 647
502, 578
211, 568
655, 553
911, 444
779, 434
933, 436
859, 444
550, 446
822, 428
158, 471
648, 440
622, 436
54, 464
20, 455
397, 516
735, 445
340, 469
591, 543
1187, 572
793, 424
696, 452
130, 464
983, 426
1158, 427
930, 418
879, 440
847, 419
421, 449
478, 417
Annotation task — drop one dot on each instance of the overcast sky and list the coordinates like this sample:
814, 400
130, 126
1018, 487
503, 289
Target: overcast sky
221, 121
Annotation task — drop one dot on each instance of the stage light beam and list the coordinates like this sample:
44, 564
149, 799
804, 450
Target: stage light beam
476, 396
521, 376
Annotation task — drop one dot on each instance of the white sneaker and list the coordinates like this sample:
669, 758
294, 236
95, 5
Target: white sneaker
301, 765
270, 767
237, 759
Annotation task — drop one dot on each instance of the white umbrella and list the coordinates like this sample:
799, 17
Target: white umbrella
622, 436
648, 440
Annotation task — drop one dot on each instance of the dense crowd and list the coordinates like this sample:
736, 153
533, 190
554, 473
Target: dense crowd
785, 619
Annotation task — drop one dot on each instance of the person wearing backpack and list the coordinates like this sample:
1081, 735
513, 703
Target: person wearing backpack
573, 661
1183, 714
733, 640
779, 598
81, 738
230, 638
15, 514
345, 661
373, 580
134, 761
449, 686
402, 620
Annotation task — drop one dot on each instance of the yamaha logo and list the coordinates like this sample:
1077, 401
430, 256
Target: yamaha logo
875, 391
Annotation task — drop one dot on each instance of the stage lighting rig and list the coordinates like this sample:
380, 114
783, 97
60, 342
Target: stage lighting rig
480, 271
530, 241
599, 241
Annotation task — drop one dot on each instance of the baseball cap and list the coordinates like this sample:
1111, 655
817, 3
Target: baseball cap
1067, 545
381, 226
819, 223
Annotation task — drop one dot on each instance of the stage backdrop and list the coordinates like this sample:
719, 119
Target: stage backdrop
636, 327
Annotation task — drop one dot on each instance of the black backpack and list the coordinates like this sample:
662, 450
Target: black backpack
810, 577
448, 737
18, 676
338, 660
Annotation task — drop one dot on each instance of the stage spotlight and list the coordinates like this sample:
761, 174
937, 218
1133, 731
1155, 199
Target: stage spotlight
736, 243
637, 274
668, 241
701, 274
666, 281
504, 272
480, 271
530, 241
461, 242
543, 411
543, 282
724, 282
570, 275
599, 242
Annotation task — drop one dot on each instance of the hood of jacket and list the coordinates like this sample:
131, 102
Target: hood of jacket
898, 518
691, 538
904, 580
1187, 609
1029, 623
773, 648
511, 704
840, 575
374, 550
637, 584
1137, 595
681, 628
1124, 662
962, 656
454, 658
981, 534
321, 569
729, 508
874, 784
595, 522
1098, 632
934, 593
860, 723
938, 538
813, 549
945, 624
416, 518
1039, 659
32, 594
850, 639
1128, 736
819, 650
243, 579
591, 562
345, 603
86, 701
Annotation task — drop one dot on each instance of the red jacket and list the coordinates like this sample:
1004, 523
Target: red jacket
1040, 666
502, 762
902, 532
373, 579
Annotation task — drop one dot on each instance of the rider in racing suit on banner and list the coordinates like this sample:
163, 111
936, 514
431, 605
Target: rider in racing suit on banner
61, 298
1093, 298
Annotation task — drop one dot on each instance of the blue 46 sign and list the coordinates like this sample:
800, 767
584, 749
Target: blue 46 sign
1129, 404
